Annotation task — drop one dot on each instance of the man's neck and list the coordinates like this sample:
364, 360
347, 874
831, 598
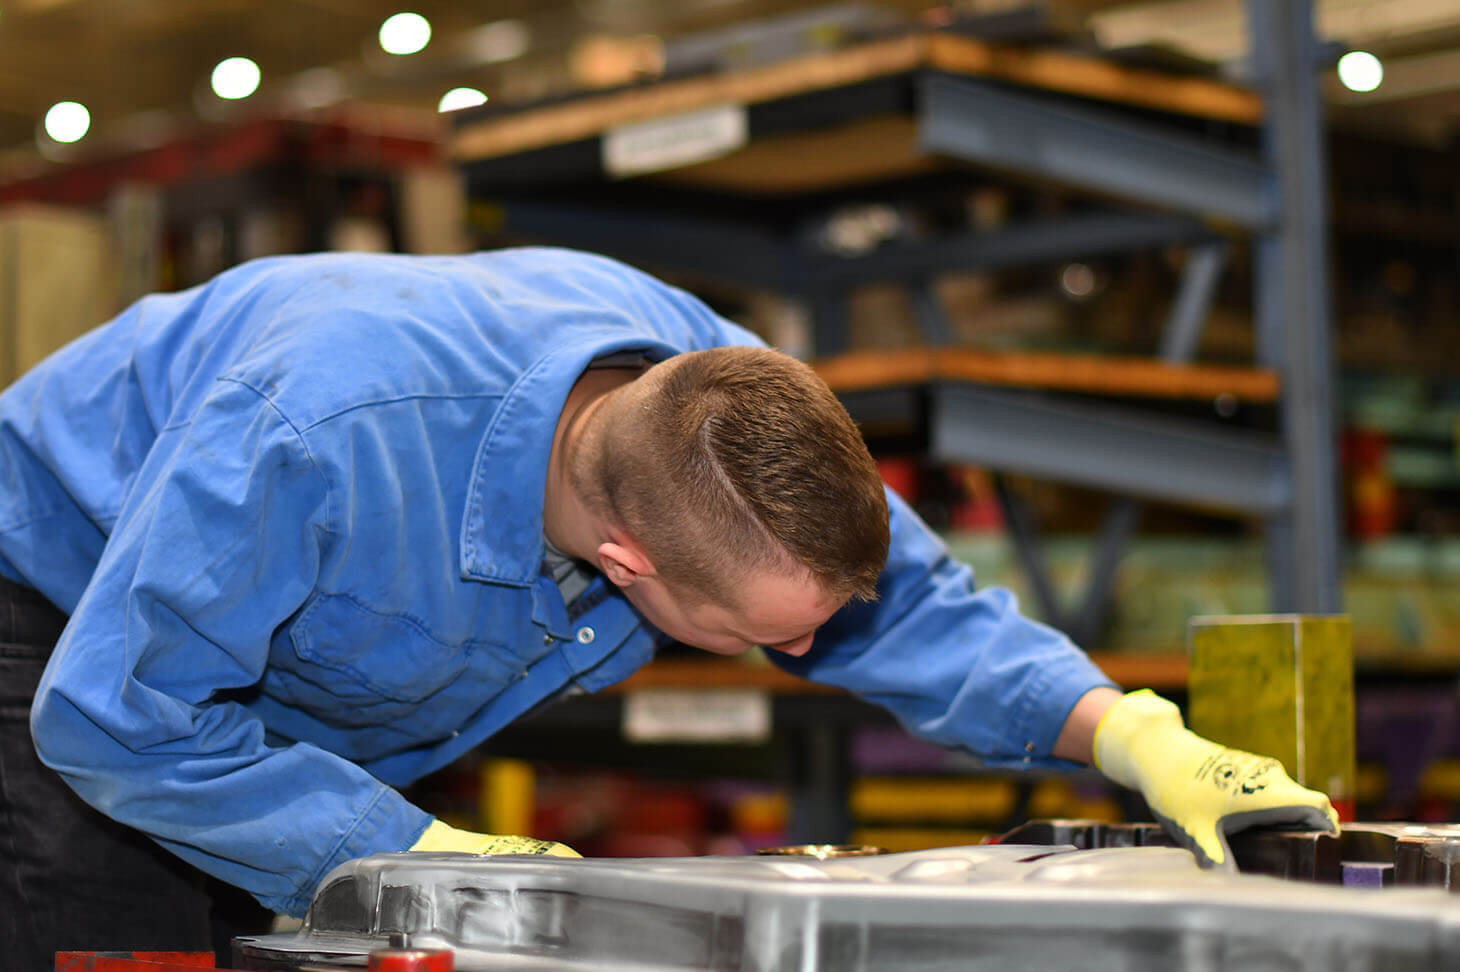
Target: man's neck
568, 522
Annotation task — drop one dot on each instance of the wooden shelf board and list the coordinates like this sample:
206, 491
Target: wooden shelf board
1094, 374
1075, 74
1165, 671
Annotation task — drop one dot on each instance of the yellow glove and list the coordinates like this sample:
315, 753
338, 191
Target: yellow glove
440, 837
1200, 791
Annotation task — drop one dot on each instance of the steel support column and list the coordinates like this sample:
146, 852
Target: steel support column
1193, 302
1024, 534
821, 783
1294, 320
1120, 521
933, 320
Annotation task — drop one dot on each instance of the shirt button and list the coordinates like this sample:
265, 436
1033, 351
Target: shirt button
547, 639
1029, 747
586, 636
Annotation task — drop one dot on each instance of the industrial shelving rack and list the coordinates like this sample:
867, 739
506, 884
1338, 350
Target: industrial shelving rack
1171, 161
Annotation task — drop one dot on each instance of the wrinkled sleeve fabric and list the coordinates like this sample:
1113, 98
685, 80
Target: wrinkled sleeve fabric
956, 665
218, 544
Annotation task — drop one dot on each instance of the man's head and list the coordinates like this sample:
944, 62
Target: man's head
746, 489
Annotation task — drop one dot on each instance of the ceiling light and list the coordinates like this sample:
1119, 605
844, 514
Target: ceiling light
67, 121
458, 98
235, 78
405, 33
1360, 71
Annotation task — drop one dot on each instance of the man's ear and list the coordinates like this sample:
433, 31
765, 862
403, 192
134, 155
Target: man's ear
624, 562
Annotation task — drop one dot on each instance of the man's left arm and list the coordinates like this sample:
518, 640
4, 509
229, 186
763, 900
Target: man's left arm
957, 665
963, 667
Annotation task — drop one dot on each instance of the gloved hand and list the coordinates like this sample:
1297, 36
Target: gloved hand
440, 837
1200, 791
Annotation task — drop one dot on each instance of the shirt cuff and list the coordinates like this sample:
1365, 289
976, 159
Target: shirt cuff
390, 823
1043, 707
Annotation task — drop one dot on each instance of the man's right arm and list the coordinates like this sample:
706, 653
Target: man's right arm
218, 546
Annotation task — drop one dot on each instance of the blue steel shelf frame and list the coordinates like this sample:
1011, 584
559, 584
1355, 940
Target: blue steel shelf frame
1164, 185
1279, 196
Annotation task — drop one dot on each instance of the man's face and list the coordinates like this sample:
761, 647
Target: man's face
779, 612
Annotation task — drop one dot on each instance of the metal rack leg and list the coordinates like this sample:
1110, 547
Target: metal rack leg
1292, 262
821, 775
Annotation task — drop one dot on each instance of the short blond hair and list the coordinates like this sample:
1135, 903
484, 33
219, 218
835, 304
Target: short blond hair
738, 458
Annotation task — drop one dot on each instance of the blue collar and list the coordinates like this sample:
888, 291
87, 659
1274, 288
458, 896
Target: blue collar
512, 462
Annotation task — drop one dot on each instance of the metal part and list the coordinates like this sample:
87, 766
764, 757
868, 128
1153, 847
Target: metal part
1304, 855
1088, 834
1422, 854
822, 851
1004, 907
1364, 854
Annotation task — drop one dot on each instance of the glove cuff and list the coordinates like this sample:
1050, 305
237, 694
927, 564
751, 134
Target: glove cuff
1124, 727
442, 837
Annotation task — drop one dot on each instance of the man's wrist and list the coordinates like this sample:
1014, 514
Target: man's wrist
1076, 740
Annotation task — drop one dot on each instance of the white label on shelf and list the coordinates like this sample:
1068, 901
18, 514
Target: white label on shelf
697, 715
667, 143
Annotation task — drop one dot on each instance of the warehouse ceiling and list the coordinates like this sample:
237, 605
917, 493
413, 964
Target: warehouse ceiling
142, 67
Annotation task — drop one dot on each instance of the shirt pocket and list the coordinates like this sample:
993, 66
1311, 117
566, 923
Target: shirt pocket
354, 665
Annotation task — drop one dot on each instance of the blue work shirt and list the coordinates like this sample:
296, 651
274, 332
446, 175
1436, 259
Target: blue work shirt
295, 515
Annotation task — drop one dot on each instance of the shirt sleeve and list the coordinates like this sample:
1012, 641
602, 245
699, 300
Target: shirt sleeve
956, 665
217, 546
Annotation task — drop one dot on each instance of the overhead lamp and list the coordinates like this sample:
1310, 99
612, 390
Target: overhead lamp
235, 78
405, 33
67, 121
459, 98
1360, 71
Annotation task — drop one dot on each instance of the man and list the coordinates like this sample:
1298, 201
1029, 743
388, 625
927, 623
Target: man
325, 523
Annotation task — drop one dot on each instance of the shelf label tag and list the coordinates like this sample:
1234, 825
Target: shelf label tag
668, 143
697, 715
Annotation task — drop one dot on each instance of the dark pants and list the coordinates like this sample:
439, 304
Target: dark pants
70, 878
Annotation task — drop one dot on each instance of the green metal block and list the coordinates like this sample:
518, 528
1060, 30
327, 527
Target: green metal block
1279, 685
